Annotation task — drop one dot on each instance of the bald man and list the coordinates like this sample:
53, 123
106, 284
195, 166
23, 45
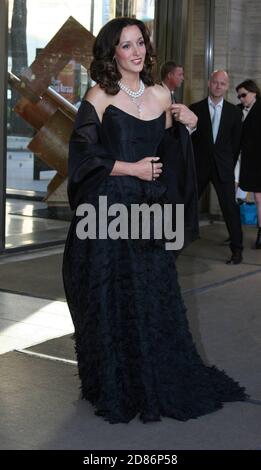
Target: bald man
216, 144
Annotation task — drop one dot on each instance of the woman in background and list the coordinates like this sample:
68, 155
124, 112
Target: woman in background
250, 171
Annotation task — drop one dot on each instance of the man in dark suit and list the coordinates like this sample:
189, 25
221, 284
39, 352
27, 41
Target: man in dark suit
216, 144
180, 178
172, 77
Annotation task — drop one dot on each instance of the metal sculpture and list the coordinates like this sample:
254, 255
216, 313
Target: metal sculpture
50, 114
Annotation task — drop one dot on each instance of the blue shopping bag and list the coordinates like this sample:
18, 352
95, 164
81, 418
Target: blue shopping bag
248, 213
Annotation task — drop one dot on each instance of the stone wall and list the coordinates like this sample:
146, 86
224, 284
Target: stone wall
195, 84
238, 41
237, 44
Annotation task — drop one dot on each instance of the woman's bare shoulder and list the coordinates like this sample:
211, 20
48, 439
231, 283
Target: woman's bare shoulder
95, 95
160, 91
162, 95
98, 98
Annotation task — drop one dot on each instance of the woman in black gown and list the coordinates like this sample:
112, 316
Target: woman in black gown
134, 348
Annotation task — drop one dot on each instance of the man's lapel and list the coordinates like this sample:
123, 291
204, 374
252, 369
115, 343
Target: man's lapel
251, 116
207, 120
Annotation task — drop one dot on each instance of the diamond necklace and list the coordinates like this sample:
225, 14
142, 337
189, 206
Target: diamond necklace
133, 94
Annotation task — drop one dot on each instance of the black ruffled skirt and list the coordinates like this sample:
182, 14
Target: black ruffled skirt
135, 352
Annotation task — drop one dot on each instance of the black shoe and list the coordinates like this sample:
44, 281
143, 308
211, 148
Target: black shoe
235, 258
258, 239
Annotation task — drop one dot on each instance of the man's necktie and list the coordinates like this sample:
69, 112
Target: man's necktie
172, 95
215, 123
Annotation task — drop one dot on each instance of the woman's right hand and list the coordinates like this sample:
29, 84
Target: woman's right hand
148, 169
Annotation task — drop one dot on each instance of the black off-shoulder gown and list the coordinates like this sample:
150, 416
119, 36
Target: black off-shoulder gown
134, 349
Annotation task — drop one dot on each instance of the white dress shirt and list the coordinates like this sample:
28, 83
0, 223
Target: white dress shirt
218, 106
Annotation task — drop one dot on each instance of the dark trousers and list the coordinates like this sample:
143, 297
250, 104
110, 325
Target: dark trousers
230, 209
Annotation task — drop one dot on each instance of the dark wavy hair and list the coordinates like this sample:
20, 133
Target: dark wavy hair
250, 85
103, 68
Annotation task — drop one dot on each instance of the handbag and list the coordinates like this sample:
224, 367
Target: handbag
248, 213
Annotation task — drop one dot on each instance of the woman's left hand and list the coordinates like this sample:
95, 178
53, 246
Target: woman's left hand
184, 115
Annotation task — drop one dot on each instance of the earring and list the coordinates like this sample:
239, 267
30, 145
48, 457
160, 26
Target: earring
114, 63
